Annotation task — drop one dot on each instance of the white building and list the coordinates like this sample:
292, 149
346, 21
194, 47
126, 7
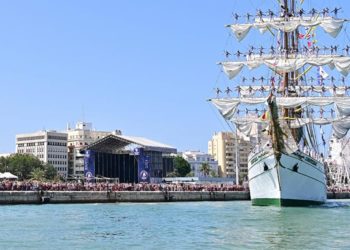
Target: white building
78, 138
196, 159
48, 146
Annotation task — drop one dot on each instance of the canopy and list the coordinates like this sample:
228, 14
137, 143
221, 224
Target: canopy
8, 175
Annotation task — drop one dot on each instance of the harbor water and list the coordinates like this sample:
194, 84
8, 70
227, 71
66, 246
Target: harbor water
182, 225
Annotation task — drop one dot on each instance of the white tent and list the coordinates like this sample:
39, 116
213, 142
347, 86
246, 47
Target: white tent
7, 175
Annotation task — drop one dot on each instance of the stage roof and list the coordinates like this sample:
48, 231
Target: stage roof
116, 143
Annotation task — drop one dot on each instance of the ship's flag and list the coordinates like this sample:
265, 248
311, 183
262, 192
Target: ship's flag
265, 116
322, 72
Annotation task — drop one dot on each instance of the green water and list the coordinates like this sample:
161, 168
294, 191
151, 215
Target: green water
190, 225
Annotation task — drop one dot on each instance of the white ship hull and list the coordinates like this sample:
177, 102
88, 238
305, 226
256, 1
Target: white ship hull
296, 180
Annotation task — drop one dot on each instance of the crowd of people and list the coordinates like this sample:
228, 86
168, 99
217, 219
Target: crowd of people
8, 185
339, 189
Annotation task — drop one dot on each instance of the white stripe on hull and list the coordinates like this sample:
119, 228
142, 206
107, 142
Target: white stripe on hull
280, 181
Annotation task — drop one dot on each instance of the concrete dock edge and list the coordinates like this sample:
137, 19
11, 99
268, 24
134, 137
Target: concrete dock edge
39, 197
57, 197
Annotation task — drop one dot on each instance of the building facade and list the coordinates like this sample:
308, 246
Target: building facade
223, 148
338, 161
48, 146
78, 138
196, 159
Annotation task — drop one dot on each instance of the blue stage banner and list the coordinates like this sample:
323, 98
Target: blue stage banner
144, 168
137, 151
89, 165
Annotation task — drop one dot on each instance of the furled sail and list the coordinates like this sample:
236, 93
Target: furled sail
251, 90
330, 25
226, 106
341, 124
286, 65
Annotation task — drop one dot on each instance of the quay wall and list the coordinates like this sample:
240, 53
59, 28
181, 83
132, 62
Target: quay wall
342, 195
37, 197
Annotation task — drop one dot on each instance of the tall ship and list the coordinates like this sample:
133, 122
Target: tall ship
298, 102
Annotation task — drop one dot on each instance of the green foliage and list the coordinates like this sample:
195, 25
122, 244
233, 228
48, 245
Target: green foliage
50, 172
213, 173
181, 166
205, 169
3, 164
22, 165
27, 166
38, 174
171, 174
190, 174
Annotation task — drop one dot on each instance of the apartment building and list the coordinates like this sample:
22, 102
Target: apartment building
224, 146
48, 146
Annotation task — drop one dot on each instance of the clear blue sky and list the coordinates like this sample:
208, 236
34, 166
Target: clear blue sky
145, 67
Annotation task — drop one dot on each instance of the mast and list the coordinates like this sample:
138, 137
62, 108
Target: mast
286, 49
237, 167
296, 133
275, 129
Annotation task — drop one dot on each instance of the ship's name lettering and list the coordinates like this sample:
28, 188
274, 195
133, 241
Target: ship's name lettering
257, 158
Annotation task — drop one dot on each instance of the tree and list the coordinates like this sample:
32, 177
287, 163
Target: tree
190, 174
181, 166
38, 174
171, 174
3, 164
22, 165
205, 169
50, 172
27, 166
213, 173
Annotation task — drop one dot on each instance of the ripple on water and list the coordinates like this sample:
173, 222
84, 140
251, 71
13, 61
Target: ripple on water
201, 225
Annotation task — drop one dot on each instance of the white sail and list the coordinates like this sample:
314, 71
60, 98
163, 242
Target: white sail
226, 107
286, 65
341, 123
342, 103
340, 126
330, 25
251, 90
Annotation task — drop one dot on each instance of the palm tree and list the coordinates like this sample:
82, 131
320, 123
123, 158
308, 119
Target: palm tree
205, 169
38, 174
